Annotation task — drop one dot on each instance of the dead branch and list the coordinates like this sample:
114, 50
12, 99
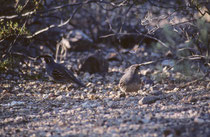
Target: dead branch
53, 26
21, 55
194, 81
139, 33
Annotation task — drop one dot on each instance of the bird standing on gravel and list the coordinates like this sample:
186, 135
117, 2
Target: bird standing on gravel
58, 72
130, 81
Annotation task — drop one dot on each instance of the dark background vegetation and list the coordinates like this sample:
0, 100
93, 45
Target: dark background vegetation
29, 27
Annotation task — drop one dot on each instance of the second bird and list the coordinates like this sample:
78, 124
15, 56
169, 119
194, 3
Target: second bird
58, 72
130, 81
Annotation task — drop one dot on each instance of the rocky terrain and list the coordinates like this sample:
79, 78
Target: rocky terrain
32, 105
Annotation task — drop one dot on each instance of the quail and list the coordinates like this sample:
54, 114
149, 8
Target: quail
130, 81
58, 72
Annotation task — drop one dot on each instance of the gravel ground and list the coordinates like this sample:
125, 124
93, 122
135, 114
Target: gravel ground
44, 108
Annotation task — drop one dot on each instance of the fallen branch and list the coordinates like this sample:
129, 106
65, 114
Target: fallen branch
194, 81
139, 33
21, 55
147, 63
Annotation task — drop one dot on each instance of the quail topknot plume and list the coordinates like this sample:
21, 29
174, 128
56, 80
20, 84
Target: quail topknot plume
58, 72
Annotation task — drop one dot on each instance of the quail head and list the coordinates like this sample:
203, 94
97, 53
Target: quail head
130, 81
58, 72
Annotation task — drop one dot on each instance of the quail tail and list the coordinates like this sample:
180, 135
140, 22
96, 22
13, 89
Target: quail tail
79, 82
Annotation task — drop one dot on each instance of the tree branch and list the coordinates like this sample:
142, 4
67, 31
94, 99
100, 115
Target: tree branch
53, 26
139, 33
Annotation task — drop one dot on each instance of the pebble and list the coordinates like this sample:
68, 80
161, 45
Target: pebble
198, 120
148, 100
168, 63
111, 104
59, 98
13, 103
9, 76
156, 92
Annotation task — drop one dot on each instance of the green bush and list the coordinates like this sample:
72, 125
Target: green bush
10, 28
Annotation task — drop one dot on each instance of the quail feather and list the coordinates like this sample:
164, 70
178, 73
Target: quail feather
58, 72
131, 80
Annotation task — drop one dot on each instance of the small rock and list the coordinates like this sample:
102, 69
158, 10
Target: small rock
9, 76
16, 78
169, 54
13, 103
110, 103
174, 131
208, 86
198, 120
167, 133
113, 57
128, 41
91, 96
86, 105
18, 119
95, 64
192, 99
146, 119
136, 120
148, 100
155, 55
156, 92
67, 105
170, 63
60, 98
45, 96
79, 41
121, 95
